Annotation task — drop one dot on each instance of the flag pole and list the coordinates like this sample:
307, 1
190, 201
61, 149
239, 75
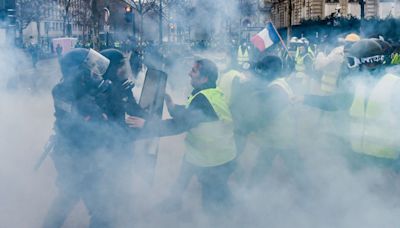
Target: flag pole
280, 38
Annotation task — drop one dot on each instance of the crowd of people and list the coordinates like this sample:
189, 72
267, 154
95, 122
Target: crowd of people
288, 102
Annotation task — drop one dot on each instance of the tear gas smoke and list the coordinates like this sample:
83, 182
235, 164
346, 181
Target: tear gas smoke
331, 194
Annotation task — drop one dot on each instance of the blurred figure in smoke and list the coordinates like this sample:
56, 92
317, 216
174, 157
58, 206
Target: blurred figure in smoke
231, 76
230, 83
79, 135
210, 148
136, 61
372, 100
304, 56
263, 109
59, 51
33, 49
331, 64
118, 173
328, 126
243, 55
304, 64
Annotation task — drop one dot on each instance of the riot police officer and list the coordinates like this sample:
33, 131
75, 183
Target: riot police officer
78, 138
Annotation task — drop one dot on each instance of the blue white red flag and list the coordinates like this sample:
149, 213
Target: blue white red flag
266, 38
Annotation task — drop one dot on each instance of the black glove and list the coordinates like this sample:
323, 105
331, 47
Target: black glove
127, 85
104, 86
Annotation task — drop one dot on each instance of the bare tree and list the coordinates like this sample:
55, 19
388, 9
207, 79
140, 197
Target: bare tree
28, 11
83, 16
66, 6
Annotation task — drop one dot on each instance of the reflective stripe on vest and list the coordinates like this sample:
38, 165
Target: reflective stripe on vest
281, 82
211, 143
299, 66
311, 53
225, 83
329, 83
375, 129
395, 59
242, 57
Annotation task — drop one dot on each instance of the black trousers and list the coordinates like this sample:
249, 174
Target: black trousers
101, 181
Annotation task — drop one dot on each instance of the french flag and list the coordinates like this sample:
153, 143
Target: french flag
266, 38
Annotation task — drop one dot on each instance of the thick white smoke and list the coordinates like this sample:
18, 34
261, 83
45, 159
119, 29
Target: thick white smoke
337, 196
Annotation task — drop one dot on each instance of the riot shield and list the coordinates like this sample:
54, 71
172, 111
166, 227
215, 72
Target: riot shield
153, 92
151, 100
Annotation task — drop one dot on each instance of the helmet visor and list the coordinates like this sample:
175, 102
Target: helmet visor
96, 63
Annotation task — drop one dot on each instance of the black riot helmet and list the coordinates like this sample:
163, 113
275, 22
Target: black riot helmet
85, 67
117, 60
387, 50
119, 70
366, 54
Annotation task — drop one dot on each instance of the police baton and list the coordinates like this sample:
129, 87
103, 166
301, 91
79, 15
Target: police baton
46, 151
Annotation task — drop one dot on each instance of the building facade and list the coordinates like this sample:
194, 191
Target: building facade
313, 9
51, 19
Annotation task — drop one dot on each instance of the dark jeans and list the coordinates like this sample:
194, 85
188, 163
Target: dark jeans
215, 192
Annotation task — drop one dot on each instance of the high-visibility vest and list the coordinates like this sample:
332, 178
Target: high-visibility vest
329, 82
395, 59
375, 129
225, 83
300, 67
280, 132
311, 53
242, 56
211, 143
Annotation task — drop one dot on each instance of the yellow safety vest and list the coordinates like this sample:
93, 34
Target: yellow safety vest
395, 59
300, 67
211, 143
329, 83
311, 53
225, 83
375, 129
242, 57
280, 132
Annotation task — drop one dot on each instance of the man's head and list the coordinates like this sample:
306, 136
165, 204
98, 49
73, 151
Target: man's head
118, 69
269, 67
204, 73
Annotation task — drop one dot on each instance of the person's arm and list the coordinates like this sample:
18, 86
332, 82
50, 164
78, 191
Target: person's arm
341, 101
174, 110
199, 110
